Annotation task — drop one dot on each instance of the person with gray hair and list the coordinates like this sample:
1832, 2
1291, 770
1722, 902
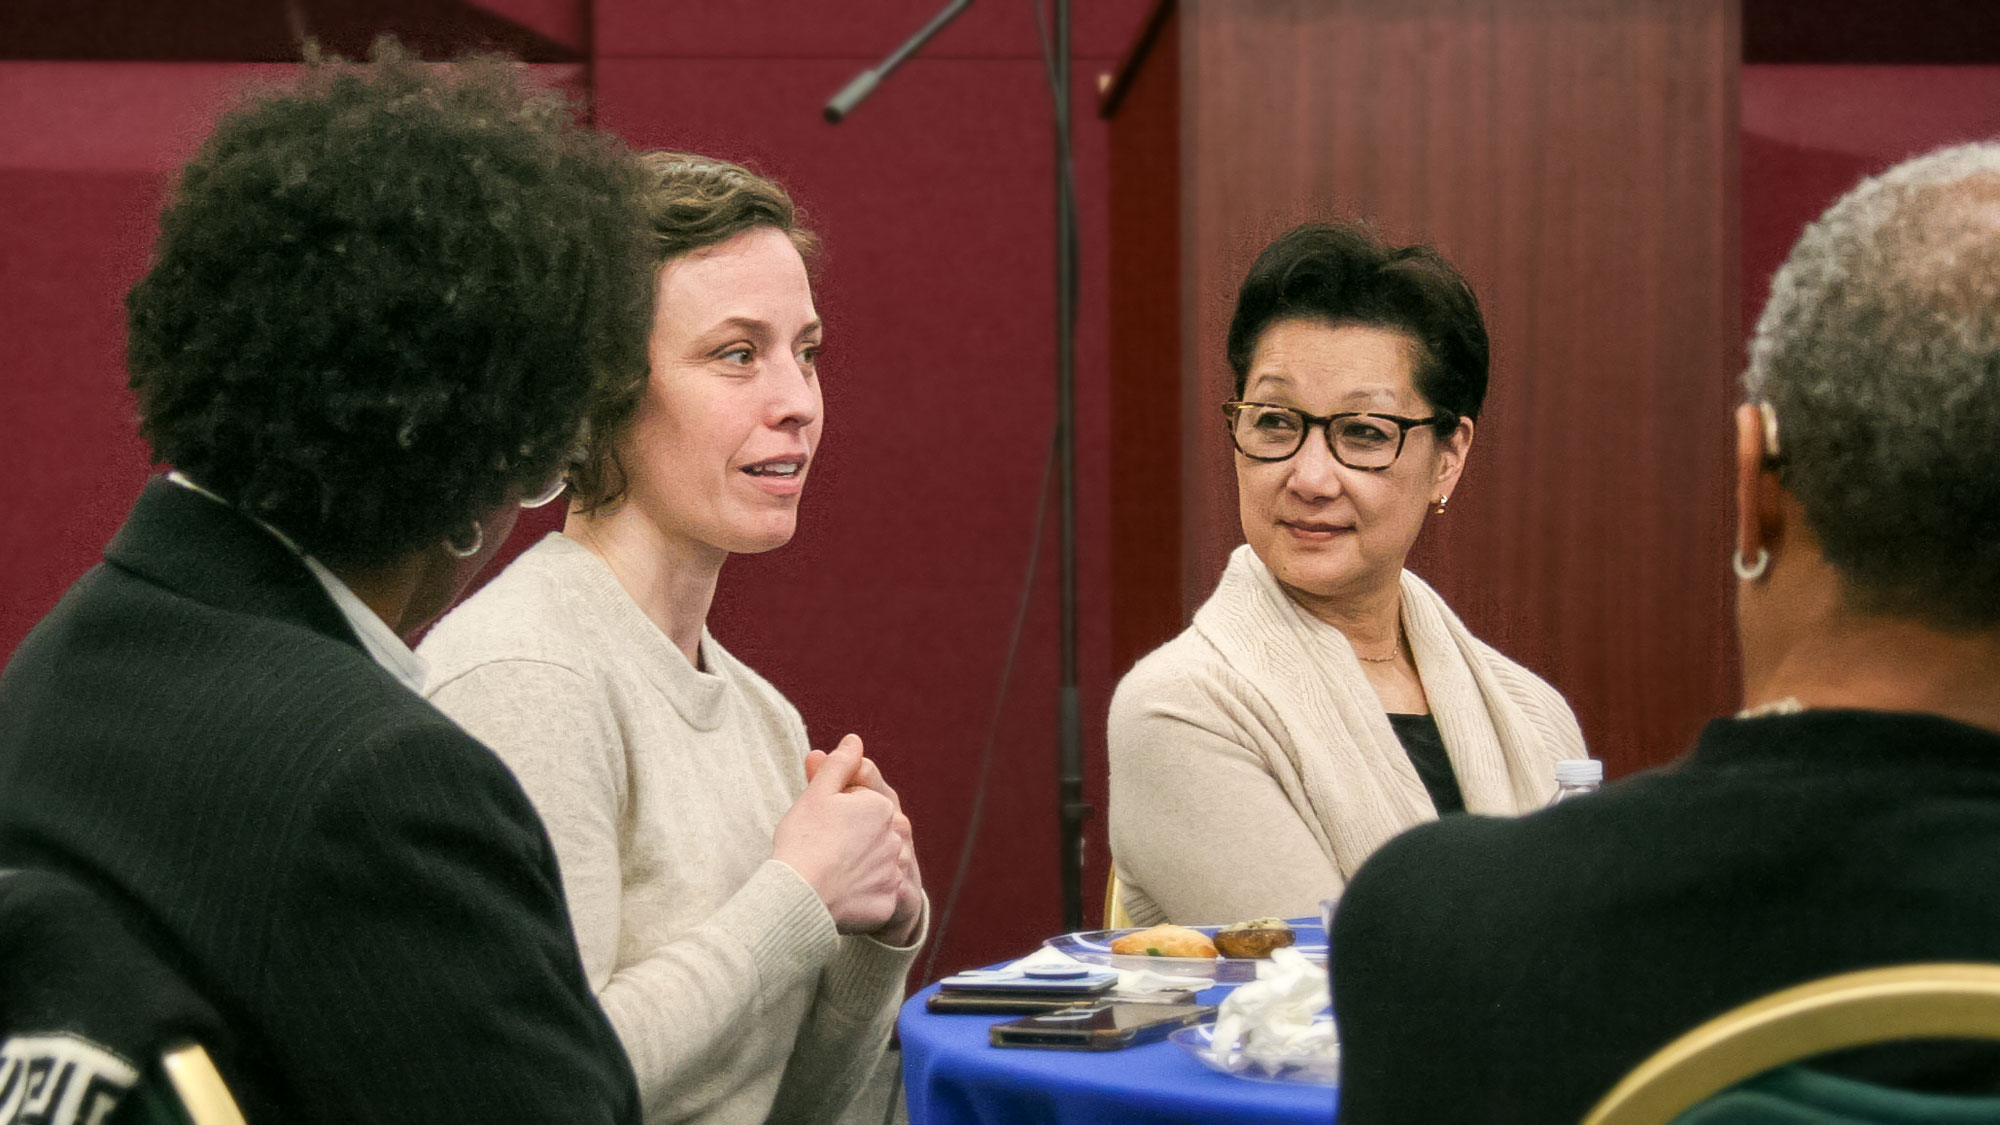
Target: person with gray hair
1847, 818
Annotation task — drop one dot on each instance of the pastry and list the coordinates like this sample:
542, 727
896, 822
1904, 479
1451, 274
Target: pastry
1255, 938
1165, 941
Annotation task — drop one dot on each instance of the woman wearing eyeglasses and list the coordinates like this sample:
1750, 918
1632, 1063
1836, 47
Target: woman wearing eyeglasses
1324, 699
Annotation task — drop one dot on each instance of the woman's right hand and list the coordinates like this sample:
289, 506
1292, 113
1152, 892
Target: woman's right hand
843, 839
902, 924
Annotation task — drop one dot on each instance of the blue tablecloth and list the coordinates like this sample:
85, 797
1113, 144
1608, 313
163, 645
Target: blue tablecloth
954, 1076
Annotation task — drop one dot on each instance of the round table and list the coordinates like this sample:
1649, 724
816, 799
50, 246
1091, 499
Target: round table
953, 1075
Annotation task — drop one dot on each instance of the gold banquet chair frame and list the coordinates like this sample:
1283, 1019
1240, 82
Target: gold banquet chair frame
204, 1097
1932, 1001
1115, 917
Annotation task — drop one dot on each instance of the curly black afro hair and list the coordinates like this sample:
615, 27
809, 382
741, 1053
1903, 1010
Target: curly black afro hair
383, 302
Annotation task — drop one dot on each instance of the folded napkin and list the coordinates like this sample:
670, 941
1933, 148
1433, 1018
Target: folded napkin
1130, 981
1281, 1013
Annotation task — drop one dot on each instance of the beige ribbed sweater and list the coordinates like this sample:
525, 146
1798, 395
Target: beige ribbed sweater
1253, 768
660, 786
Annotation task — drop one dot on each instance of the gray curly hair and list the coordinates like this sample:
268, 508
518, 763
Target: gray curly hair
1879, 352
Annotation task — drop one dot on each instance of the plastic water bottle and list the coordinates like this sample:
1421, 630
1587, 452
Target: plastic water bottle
1575, 777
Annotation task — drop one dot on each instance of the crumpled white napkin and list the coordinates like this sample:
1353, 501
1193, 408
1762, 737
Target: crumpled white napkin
1279, 1013
1130, 981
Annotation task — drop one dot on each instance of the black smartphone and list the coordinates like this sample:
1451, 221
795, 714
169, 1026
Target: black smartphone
1016, 1004
990, 1004
1102, 1026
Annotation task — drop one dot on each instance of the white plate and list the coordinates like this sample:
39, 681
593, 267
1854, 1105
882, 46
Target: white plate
1310, 1070
1094, 946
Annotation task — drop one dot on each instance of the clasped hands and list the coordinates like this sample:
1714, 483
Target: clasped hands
848, 837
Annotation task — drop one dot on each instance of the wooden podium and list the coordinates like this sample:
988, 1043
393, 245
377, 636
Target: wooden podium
1577, 159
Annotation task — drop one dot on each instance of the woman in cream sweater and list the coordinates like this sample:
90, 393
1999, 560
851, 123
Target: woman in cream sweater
746, 909
1325, 699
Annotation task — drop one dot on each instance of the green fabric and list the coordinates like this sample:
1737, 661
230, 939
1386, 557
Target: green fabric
151, 1102
1796, 1095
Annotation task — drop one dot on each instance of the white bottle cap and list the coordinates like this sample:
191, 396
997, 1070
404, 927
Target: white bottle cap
1579, 771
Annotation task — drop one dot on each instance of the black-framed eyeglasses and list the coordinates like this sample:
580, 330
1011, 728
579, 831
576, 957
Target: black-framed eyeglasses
1359, 439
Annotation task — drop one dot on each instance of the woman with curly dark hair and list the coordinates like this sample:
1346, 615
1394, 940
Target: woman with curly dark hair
381, 308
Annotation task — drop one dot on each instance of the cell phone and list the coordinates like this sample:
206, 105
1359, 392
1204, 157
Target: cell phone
994, 1004
1099, 1026
1076, 984
1020, 1004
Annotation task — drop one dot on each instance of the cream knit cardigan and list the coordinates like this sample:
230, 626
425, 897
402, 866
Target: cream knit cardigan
1253, 768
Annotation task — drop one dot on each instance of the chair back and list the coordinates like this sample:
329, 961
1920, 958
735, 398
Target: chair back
1115, 917
1936, 1001
1800, 1095
94, 1025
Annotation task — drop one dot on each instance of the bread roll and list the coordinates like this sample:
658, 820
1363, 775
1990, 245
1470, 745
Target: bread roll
1165, 941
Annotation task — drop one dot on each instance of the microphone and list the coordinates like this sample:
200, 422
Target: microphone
864, 84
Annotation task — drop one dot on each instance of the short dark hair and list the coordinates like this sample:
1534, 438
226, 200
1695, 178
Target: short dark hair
1343, 274
384, 301
1879, 353
691, 202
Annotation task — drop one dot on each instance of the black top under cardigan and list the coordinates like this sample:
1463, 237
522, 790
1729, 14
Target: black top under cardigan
1424, 744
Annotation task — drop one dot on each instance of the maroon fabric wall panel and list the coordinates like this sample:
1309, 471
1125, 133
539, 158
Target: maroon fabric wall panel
566, 22
70, 244
889, 613
85, 153
273, 31
1146, 338
1812, 132
1873, 32
858, 32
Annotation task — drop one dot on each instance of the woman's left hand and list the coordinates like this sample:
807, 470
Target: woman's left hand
902, 924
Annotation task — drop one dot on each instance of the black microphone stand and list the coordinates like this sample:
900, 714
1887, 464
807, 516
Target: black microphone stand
855, 92
1069, 761
1073, 810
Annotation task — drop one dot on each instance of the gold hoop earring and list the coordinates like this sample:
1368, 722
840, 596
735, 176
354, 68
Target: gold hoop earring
1440, 502
452, 548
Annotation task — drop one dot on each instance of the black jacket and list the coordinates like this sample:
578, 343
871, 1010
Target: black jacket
1514, 970
359, 887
